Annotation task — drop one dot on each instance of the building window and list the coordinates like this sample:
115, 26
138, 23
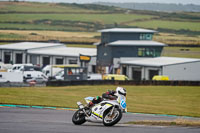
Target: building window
59, 61
141, 52
153, 73
46, 61
124, 70
93, 68
148, 52
19, 58
72, 61
33, 59
105, 37
7, 57
146, 36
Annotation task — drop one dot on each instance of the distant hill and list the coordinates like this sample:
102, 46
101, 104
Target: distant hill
79, 23
156, 6
92, 17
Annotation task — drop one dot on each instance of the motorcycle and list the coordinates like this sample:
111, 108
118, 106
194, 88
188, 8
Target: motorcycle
108, 111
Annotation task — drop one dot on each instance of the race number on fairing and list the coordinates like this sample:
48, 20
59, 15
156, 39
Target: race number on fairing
123, 104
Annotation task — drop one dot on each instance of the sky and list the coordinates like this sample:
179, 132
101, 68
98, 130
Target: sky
197, 2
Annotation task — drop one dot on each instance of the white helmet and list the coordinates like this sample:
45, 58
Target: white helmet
120, 91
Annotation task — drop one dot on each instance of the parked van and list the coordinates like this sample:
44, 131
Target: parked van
115, 77
11, 77
34, 75
18, 67
160, 77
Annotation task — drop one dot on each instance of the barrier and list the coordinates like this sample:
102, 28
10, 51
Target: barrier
129, 82
21, 84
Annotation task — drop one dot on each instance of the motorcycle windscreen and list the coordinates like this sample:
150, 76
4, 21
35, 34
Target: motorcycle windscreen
89, 99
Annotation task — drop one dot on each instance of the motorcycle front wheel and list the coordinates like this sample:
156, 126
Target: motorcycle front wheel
112, 119
79, 117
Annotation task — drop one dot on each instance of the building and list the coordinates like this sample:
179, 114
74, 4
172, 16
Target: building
174, 68
17, 53
46, 53
128, 51
125, 42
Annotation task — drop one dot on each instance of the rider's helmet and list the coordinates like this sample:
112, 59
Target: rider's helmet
121, 91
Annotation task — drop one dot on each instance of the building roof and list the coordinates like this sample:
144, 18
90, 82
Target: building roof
28, 45
136, 43
160, 61
65, 51
128, 30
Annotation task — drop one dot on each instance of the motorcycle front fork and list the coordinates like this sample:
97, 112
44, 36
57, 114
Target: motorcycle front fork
112, 110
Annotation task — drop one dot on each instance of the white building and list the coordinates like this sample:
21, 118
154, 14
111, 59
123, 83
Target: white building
17, 52
175, 68
45, 53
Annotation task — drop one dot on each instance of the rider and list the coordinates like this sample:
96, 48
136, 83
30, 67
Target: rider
109, 95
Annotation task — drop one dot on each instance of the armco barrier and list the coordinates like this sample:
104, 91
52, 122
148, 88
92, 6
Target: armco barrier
20, 84
130, 82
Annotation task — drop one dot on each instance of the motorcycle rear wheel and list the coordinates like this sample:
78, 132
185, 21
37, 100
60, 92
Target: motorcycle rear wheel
78, 118
112, 120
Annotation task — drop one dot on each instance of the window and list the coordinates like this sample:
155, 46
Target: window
148, 52
75, 71
105, 37
46, 61
146, 36
72, 61
59, 61
93, 68
19, 58
141, 52
7, 57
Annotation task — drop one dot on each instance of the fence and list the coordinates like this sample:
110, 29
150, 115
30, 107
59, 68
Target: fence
20, 84
130, 82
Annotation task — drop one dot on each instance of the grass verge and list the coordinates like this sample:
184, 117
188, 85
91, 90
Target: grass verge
177, 122
172, 100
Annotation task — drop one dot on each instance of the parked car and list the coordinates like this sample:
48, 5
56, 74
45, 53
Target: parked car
115, 77
160, 77
95, 76
37, 80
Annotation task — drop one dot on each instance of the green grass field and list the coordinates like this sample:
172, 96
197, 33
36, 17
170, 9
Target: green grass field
39, 13
175, 100
102, 18
43, 7
91, 18
175, 25
187, 52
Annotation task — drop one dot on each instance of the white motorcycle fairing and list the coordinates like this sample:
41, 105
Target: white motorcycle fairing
108, 111
99, 109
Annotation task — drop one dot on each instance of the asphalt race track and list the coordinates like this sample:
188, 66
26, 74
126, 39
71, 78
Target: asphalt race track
30, 120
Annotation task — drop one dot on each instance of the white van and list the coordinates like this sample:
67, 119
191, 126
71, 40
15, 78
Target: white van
11, 77
18, 67
51, 71
35, 75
